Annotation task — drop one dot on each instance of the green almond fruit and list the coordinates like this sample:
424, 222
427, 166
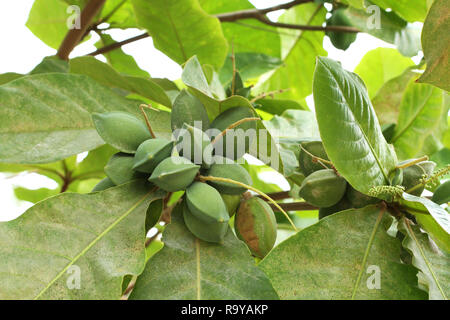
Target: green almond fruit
411, 177
428, 167
236, 142
209, 232
231, 171
358, 199
150, 153
256, 225
174, 174
306, 162
323, 188
103, 184
442, 193
231, 202
342, 205
122, 130
341, 40
195, 145
396, 177
120, 169
206, 203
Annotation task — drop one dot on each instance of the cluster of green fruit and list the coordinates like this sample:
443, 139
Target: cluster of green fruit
207, 205
324, 188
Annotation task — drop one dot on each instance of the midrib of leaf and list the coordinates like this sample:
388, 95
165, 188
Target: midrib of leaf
366, 253
412, 235
92, 243
197, 258
419, 110
359, 126
176, 35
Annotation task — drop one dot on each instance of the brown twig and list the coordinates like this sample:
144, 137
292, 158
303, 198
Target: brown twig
278, 195
268, 94
147, 121
74, 36
294, 206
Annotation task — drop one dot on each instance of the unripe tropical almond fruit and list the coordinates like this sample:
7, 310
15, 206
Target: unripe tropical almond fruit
210, 232
428, 167
103, 184
236, 142
231, 202
120, 169
411, 177
195, 145
323, 188
174, 174
396, 177
442, 194
122, 130
306, 162
358, 199
206, 203
150, 153
231, 171
256, 225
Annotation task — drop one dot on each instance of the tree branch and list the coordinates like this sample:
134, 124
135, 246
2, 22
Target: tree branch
258, 14
294, 206
74, 36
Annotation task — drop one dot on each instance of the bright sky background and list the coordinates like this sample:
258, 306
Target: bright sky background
21, 51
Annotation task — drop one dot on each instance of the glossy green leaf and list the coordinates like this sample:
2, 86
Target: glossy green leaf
47, 117
118, 59
340, 257
181, 29
247, 35
106, 75
442, 158
299, 50
410, 10
9, 76
189, 268
51, 64
435, 42
379, 66
119, 14
349, 127
420, 113
35, 195
433, 264
99, 237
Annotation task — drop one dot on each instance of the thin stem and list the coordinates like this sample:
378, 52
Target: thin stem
267, 94
278, 195
210, 178
411, 163
233, 79
147, 122
296, 206
320, 160
231, 126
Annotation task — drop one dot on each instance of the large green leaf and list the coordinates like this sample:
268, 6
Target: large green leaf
51, 64
34, 195
119, 14
189, 268
181, 29
349, 127
389, 97
246, 35
47, 117
118, 59
299, 50
338, 257
434, 264
432, 217
379, 66
106, 75
99, 236
420, 113
436, 45
9, 76
410, 10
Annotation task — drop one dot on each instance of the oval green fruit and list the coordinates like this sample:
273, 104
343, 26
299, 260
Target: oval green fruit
411, 177
342, 205
195, 145
174, 174
150, 153
323, 188
236, 142
396, 177
256, 225
231, 171
428, 167
306, 162
358, 199
231, 202
188, 109
341, 40
206, 203
442, 193
120, 168
103, 184
122, 130
210, 232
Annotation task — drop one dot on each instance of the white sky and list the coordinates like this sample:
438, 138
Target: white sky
20, 51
